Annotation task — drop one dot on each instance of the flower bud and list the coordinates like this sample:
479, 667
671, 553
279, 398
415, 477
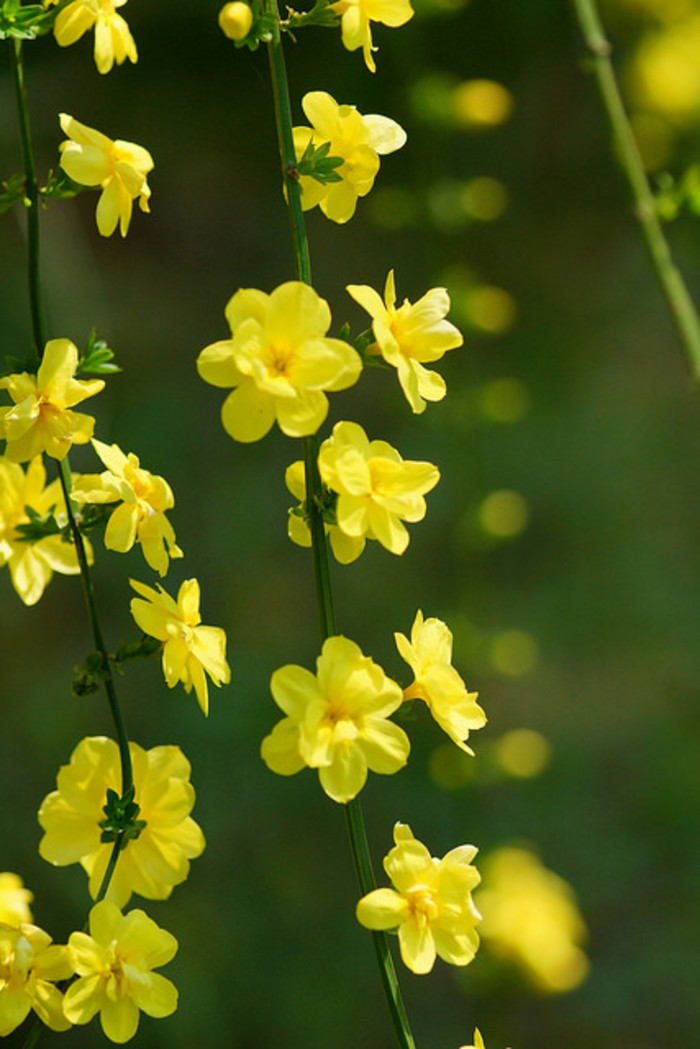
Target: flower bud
236, 20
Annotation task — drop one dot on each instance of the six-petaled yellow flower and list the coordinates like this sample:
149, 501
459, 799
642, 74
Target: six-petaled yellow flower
119, 168
430, 904
377, 489
429, 655
357, 139
41, 419
29, 965
14, 900
411, 336
113, 39
189, 649
279, 362
346, 548
154, 862
32, 564
356, 16
140, 517
115, 964
337, 721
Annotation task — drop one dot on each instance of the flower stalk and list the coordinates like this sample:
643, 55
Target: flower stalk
353, 809
670, 279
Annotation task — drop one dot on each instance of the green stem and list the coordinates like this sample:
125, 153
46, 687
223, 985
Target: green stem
319, 543
32, 195
669, 277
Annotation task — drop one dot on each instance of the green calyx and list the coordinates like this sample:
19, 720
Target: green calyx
121, 823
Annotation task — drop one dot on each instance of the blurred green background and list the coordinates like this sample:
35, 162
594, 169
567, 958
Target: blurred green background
561, 545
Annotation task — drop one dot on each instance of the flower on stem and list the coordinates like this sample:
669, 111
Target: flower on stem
337, 721
140, 517
119, 168
115, 964
40, 419
72, 817
346, 548
14, 900
32, 564
377, 489
29, 965
189, 649
430, 904
411, 336
429, 655
279, 362
357, 139
356, 16
113, 40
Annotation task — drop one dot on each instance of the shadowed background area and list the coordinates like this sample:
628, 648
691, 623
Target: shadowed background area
561, 545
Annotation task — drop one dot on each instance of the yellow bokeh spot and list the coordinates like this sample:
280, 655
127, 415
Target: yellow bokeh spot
523, 753
665, 72
505, 400
491, 309
484, 198
530, 917
504, 513
514, 652
481, 104
450, 768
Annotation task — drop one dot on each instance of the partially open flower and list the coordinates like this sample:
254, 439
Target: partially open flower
356, 16
113, 39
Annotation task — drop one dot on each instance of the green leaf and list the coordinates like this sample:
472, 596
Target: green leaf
121, 823
60, 187
321, 14
98, 359
24, 22
38, 526
316, 163
12, 189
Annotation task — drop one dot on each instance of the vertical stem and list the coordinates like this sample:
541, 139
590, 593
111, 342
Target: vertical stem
319, 543
32, 196
669, 277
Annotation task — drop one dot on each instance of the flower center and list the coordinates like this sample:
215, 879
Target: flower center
422, 904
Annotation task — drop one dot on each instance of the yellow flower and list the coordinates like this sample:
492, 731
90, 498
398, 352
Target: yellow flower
32, 564
189, 649
478, 1042
279, 362
28, 967
410, 336
356, 17
357, 139
531, 918
336, 721
377, 489
430, 904
113, 40
14, 900
141, 515
115, 965
236, 20
41, 420
151, 864
345, 548
429, 655
119, 168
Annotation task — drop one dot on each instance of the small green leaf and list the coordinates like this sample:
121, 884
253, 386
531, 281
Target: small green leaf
98, 359
12, 189
60, 187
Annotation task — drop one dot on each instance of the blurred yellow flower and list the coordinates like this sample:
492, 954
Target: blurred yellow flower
356, 16
115, 965
530, 917
140, 517
236, 20
411, 336
40, 419
337, 721
113, 40
119, 168
32, 564
478, 1042
279, 362
377, 489
14, 900
430, 904
429, 655
345, 548
28, 967
154, 862
189, 649
357, 139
